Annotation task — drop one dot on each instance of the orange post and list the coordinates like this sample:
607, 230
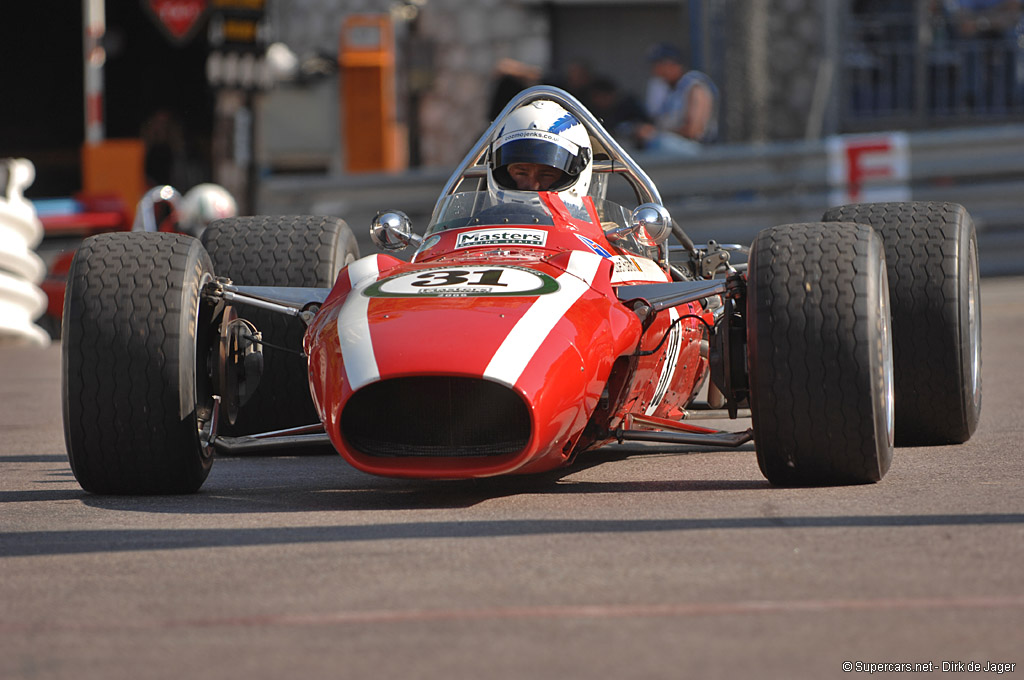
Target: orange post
115, 167
370, 130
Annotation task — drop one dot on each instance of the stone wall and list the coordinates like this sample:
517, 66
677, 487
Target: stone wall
771, 58
468, 40
797, 37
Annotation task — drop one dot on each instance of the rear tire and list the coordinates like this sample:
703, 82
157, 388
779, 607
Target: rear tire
134, 332
303, 251
931, 250
819, 353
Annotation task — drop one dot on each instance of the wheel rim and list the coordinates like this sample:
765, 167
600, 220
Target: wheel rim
974, 322
888, 392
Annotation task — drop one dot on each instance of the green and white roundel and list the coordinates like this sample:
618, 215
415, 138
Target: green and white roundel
469, 281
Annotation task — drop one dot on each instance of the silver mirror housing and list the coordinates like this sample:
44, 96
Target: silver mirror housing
655, 219
392, 230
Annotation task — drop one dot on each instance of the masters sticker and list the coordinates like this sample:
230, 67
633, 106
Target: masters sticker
502, 237
465, 282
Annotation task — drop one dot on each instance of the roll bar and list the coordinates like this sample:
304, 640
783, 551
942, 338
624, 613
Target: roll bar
619, 162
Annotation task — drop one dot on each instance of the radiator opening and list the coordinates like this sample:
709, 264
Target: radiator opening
436, 416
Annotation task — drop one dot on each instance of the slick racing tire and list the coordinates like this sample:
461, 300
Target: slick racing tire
820, 354
931, 250
133, 336
303, 251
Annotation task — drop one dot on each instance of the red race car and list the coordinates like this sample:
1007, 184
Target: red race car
537, 320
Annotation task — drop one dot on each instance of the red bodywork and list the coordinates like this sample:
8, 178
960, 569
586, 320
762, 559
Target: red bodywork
527, 345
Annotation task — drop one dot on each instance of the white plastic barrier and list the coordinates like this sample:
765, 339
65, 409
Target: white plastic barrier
21, 300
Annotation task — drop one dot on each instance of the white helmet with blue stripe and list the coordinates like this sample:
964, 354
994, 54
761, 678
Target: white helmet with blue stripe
542, 132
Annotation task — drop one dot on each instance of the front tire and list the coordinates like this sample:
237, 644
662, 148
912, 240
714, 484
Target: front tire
934, 283
820, 355
134, 333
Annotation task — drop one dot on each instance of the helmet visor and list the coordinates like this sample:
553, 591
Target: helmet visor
543, 151
537, 151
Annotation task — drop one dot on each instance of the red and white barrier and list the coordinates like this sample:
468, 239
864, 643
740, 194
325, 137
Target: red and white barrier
94, 58
869, 168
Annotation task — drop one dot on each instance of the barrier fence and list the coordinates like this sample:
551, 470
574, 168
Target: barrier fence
21, 270
730, 192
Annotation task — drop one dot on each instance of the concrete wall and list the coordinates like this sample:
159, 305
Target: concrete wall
463, 41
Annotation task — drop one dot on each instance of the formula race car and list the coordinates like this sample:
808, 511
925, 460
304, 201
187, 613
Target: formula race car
536, 321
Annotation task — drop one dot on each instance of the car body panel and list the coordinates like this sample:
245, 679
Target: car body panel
530, 307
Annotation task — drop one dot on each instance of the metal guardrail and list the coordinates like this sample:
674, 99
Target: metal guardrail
745, 189
730, 192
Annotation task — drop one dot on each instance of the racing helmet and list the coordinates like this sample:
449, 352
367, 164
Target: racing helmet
203, 204
542, 132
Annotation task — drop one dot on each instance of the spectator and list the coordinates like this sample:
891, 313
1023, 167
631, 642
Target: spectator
511, 78
686, 115
578, 81
620, 114
166, 157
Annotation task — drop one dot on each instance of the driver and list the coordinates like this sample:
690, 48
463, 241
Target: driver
541, 147
534, 176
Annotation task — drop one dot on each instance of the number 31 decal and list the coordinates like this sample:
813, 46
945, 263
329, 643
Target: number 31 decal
465, 282
457, 277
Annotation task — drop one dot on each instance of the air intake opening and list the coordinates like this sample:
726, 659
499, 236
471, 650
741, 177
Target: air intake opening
436, 416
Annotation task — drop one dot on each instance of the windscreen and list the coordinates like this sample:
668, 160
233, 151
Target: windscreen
474, 208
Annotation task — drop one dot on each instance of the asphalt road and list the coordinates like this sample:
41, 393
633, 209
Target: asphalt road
643, 562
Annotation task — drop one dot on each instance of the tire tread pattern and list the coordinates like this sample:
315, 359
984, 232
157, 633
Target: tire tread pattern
121, 342
265, 250
810, 372
923, 250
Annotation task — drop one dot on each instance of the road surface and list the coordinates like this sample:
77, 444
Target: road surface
643, 561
